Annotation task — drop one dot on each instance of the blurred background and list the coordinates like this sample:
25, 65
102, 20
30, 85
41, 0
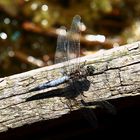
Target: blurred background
28, 29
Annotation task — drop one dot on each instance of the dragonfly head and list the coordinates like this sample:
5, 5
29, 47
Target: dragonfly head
90, 70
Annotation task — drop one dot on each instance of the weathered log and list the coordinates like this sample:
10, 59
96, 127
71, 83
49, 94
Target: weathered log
116, 75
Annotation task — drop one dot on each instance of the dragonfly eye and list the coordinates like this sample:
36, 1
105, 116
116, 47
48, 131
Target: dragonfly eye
90, 70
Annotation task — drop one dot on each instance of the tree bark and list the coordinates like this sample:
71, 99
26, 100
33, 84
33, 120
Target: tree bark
116, 75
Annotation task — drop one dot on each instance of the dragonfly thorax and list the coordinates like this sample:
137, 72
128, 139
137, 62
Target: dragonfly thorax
82, 73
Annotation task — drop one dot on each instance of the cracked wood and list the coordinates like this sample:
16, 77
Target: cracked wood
117, 74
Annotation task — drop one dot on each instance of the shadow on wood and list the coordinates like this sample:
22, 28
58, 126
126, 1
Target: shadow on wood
116, 79
74, 125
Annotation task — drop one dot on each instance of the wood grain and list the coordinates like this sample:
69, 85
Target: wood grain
117, 75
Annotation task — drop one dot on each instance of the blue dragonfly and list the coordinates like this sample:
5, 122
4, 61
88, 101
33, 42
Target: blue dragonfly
68, 48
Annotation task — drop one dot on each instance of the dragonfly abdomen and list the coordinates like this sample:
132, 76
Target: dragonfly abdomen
52, 83
58, 81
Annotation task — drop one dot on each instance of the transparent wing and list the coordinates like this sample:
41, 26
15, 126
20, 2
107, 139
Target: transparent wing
68, 43
74, 38
61, 49
73, 47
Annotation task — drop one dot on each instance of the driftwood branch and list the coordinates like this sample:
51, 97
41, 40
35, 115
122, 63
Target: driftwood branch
117, 74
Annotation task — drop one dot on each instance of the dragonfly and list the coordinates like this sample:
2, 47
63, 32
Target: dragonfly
68, 48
